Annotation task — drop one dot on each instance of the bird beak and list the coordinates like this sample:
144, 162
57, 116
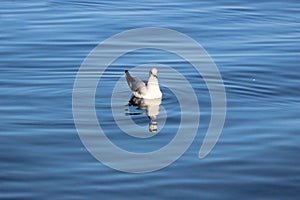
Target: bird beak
154, 75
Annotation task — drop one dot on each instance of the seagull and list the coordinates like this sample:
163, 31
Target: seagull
140, 89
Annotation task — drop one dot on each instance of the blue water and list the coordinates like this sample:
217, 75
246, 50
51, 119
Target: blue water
255, 45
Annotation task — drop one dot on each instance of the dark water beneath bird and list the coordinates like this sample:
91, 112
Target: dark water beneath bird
255, 45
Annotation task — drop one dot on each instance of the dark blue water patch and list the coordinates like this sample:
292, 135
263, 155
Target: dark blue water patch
263, 82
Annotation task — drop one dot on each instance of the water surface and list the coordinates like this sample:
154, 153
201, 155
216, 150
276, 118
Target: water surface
255, 45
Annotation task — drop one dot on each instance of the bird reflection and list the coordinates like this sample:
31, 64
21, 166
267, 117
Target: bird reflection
149, 107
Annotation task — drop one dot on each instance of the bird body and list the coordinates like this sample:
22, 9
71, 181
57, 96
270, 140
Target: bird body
140, 89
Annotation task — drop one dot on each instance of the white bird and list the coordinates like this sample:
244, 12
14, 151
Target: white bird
140, 89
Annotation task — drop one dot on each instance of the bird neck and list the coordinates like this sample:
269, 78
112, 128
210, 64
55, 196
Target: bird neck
152, 83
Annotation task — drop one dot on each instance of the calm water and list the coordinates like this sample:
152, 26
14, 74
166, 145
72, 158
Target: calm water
255, 45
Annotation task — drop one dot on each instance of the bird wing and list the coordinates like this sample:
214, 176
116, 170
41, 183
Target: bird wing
137, 86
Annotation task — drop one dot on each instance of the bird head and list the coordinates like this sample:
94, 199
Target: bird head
153, 72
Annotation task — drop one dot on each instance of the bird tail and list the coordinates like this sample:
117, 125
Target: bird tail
129, 79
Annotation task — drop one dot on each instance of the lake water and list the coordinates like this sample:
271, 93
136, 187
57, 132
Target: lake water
255, 45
